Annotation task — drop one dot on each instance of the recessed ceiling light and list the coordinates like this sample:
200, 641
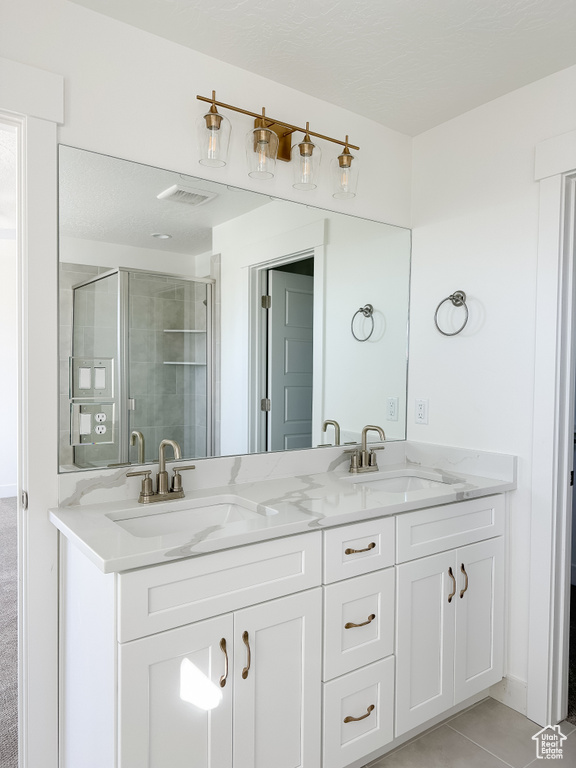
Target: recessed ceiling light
161, 236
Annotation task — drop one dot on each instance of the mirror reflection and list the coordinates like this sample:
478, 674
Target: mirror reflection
220, 318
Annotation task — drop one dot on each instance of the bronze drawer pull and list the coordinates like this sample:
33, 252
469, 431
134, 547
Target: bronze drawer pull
462, 591
248, 661
451, 595
351, 719
225, 652
371, 618
356, 551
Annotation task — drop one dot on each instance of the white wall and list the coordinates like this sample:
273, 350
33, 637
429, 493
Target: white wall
475, 214
132, 94
9, 367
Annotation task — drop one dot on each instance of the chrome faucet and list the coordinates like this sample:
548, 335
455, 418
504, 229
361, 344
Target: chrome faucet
336, 429
162, 492
364, 460
162, 476
136, 435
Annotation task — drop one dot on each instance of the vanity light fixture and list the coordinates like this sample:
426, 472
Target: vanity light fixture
306, 158
213, 136
269, 140
345, 174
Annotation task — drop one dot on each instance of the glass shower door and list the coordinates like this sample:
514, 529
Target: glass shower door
169, 365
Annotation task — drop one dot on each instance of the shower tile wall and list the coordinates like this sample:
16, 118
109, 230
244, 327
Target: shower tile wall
168, 363
70, 274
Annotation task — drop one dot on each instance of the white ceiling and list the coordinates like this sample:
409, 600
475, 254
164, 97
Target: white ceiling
408, 64
115, 201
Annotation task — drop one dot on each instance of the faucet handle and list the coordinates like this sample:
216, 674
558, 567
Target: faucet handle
177, 480
147, 489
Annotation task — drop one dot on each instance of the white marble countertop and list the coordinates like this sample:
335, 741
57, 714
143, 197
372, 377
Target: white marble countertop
301, 503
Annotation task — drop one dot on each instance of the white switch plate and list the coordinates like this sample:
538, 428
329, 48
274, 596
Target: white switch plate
392, 409
421, 412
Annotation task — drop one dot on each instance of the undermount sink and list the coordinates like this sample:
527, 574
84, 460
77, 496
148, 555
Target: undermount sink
227, 513
400, 481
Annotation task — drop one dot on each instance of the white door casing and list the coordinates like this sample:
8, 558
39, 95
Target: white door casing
552, 452
34, 99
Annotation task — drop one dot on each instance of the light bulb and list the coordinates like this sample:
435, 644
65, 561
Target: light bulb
213, 144
262, 152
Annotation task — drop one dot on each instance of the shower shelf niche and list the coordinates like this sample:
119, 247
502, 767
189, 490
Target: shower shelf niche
180, 362
181, 330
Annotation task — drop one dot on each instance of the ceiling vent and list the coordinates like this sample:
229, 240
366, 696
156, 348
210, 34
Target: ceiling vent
181, 194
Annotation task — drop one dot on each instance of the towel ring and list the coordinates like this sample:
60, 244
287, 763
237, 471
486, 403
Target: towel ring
458, 299
367, 311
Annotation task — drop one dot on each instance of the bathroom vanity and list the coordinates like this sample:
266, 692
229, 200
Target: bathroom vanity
306, 620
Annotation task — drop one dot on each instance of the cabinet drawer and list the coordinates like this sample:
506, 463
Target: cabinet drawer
366, 695
367, 602
438, 529
359, 548
161, 597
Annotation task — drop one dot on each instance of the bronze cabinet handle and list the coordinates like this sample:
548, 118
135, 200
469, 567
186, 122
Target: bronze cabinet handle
350, 625
225, 652
246, 669
356, 551
451, 595
462, 591
351, 719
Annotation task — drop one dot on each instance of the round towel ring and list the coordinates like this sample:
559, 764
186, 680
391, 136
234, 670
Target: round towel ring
458, 299
367, 311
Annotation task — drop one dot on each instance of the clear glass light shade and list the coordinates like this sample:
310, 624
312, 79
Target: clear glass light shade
305, 158
344, 172
213, 139
261, 153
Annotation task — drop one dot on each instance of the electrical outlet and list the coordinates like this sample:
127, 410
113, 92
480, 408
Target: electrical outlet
392, 409
421, 412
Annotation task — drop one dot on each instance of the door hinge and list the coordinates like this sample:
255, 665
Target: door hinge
24, 500
266, 302
265, 404
572, 478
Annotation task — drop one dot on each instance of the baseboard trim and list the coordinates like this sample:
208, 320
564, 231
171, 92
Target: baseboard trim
512, 692
8, 491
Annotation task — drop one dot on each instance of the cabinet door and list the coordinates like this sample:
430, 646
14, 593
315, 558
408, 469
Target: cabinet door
425, 621
164, 682
479, 618
277, 689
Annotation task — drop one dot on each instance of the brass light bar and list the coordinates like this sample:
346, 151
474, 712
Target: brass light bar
278, 126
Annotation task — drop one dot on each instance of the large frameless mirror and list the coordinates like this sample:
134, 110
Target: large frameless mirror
223, 319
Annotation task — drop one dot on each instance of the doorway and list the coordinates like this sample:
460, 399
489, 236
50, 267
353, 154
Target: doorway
284, 375
9, 147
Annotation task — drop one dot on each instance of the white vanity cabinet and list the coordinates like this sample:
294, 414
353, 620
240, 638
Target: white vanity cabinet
449, 612
133, 643
269, 713
331, 644
358, 670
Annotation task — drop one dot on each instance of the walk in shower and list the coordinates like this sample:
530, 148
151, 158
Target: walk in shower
140, 361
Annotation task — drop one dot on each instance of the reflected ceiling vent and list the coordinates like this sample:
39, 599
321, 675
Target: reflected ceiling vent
178, 193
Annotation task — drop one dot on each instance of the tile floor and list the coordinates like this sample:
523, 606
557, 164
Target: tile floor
489, 735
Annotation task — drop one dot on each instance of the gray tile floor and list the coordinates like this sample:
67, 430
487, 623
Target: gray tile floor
489, 735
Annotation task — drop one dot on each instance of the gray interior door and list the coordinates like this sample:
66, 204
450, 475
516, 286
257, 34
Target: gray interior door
290, 321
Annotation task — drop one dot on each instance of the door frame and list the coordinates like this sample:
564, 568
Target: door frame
258, 286
34, 100
552, 453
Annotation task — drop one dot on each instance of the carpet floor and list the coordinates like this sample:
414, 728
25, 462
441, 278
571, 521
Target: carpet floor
8, 634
